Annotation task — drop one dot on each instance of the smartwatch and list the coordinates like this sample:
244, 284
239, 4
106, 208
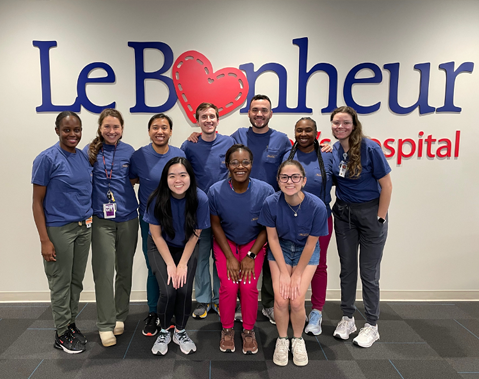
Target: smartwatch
251, 255
381, 220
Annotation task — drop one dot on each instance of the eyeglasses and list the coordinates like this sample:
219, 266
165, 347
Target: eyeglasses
295, 178
235, 163
338, 123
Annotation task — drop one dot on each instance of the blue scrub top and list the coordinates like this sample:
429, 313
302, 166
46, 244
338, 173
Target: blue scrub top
311, 220
178, 214
120, 185
268, 150
208, 159
239, 212
366, 187
68, 178
147, 165
314, 182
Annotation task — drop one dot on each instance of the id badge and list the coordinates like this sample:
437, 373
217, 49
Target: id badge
343, 167
89, 221
109, 210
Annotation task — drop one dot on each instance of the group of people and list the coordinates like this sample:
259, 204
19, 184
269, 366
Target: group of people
253, 201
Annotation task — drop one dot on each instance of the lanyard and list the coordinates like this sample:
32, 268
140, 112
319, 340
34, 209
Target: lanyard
231, 185
109, 195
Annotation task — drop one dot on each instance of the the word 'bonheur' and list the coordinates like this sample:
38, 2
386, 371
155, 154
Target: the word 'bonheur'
352, 79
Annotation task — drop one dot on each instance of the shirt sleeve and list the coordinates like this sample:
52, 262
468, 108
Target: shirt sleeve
203, 212
380, 165
133, 165
149, 216
320, 221
265, 217
212, 202
42, 170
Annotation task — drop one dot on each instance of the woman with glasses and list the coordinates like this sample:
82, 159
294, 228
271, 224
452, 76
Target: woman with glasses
239, 244
294, 221
317, 165
363, 194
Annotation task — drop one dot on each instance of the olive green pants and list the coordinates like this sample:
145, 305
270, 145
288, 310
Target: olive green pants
65, 276
113, 249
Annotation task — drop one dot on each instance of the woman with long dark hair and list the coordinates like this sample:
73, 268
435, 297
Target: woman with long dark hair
115, 226
62, 212
363, 194
146, 168
177, 211
294, 221
317, 165
239, 244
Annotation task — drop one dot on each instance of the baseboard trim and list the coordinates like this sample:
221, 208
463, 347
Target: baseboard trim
331, 295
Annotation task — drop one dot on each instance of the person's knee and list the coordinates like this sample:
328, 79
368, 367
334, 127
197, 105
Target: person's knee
280, 303
297, 305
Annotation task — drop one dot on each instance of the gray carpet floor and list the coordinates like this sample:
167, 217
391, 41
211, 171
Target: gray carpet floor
419, 340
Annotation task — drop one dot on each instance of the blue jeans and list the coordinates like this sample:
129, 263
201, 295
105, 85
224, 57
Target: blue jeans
292, 253
202, 277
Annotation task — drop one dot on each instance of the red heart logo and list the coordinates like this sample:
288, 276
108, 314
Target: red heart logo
196, 83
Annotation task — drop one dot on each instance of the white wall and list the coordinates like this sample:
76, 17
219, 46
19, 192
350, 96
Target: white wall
431, 251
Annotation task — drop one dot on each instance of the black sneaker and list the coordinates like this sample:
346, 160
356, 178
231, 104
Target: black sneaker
68, 343
77, 334
151, 325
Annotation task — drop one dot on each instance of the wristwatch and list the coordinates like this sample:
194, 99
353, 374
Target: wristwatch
381, 220
251, 255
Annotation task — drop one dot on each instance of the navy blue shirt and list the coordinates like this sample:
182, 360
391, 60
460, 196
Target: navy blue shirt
366, 187
239, 212
268, 150
68, 178
120, 185
311, 220
208, 159
178, 214
147, 165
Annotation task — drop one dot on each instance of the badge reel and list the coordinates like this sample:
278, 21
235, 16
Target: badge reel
343, 166
109, 209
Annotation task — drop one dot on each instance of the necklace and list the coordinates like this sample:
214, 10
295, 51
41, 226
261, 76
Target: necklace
297, 210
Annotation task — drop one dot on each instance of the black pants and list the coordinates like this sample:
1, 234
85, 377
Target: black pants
172, 301
357, 225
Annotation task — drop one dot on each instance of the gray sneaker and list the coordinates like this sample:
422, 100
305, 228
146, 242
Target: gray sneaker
269, 313
187, 346
161, 344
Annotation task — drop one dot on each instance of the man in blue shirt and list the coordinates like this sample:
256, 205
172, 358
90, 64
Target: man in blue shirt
207, 157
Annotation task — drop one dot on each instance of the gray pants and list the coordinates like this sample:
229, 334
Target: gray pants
65, 276
113, 248
356, 225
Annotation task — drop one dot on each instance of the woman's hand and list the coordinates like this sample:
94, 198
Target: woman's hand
233, 268
284, 285
48, 251
247, 270
172, 276
295, 285
326, 148
181, 272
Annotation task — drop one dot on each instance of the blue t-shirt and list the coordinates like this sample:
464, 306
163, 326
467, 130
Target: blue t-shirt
239, 212
314, 183
120, 185
147, 165
178, 214
268, 150
366, 187
68, 178
208, 159
312, 219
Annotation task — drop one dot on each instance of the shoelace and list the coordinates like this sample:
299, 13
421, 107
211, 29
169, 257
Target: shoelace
283, 346
367, 330
183, 337
162, 337
300, 347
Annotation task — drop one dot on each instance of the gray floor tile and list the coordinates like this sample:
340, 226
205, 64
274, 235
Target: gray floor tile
317, 369
126, 369
58, 368
471, 307
464, 364
401, 350
10, 330
18, 368
445, 310
425, 369
374, 369
223, 369
22, 310
447, 337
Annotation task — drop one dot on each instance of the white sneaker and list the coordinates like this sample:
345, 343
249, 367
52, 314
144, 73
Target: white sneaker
367, 336
345, 327
300, 355
280, 356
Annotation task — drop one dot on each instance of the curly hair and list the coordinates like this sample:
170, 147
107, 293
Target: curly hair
97, 142
355, 140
